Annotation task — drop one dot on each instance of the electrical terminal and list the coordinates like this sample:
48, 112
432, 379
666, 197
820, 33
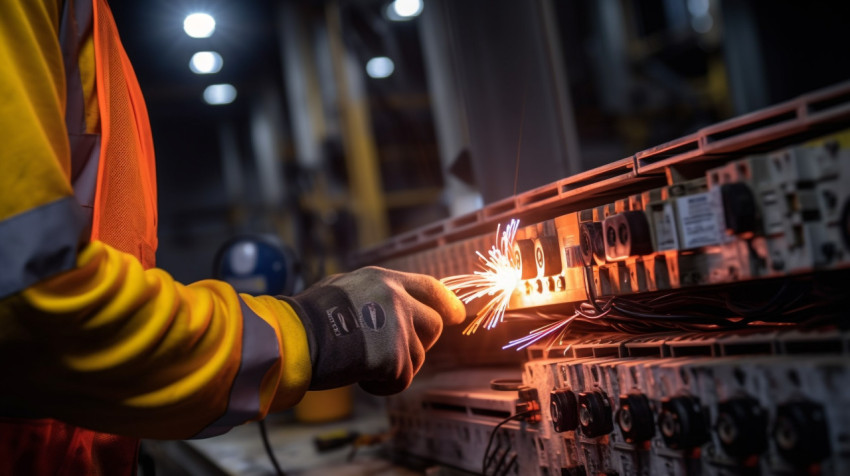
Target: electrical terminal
529, 402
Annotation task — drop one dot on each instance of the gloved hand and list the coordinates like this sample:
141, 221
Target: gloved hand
373, 326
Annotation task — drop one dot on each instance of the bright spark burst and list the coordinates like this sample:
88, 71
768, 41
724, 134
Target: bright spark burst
498, 278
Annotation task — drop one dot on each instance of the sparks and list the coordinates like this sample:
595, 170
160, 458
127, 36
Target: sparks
499, 276
556, 331
541, 332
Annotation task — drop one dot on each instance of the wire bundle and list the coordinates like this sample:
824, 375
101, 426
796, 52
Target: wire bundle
803, 301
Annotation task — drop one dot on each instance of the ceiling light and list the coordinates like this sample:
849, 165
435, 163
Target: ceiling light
219, 94
400, 10
199, 25
205, 62
380, 67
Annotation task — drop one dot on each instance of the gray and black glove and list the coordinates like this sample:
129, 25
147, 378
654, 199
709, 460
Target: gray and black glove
373, 326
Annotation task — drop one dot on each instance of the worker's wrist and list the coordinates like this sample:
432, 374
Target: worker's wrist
306, 322
337, 345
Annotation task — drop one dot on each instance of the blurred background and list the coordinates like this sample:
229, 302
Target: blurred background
335, 124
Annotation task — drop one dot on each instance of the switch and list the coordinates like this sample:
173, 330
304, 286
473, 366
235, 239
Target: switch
741, 427
635, 418
547, 256
627, 234
592, 244
801, 433
739, 208
594, 414
682, 423
524, 254
563, 406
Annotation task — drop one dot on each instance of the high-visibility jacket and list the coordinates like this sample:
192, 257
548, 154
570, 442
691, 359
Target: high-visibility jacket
91, 334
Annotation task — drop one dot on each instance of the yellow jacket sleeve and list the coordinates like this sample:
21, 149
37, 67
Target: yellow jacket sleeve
115, 348
35, 154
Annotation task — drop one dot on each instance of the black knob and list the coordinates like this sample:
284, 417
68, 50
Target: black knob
594, 414
563, 406
524, 254
635, 418
739, 208
592, 244
801, 433
741, 427
547, 255
682, 423
637, 233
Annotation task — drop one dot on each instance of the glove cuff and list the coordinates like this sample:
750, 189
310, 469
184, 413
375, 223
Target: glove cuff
308, 327
336, 341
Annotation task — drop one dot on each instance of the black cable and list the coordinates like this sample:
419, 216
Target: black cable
794, 302
760, 310
265, 436
493, 434
665, 317
500, 459
507, 467
589, 288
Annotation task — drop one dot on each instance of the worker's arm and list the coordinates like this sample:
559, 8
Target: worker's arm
116, 348
89, 337
112, 347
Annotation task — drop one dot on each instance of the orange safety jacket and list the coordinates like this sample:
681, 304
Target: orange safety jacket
101, 343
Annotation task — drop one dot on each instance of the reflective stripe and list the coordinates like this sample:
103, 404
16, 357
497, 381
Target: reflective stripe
260, 351
38, 244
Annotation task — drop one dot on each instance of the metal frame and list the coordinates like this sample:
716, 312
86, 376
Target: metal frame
792, 121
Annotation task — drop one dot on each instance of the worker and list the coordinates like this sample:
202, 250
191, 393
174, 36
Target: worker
100, 348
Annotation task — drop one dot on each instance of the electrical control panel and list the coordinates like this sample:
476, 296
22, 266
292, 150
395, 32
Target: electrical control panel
709, 275
782, 213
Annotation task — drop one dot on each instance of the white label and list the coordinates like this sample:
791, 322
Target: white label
664, 220
701, 219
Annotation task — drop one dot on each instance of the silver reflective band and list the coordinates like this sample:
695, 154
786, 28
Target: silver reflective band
260, 351
39, 243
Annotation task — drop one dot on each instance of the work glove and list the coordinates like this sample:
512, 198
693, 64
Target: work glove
373, 326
